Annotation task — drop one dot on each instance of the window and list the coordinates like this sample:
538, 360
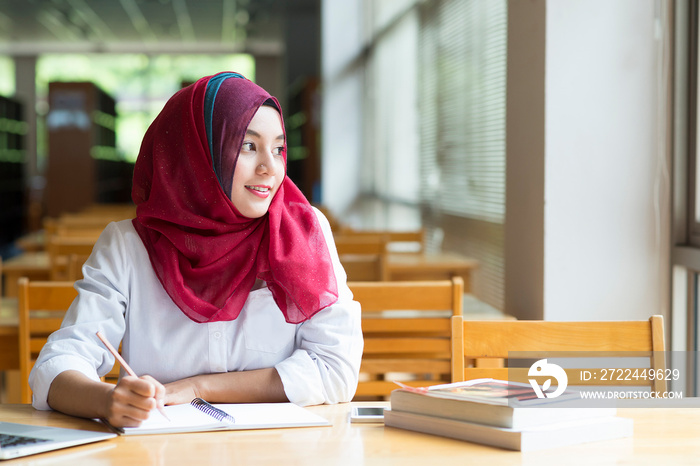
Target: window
433, 99
390, 166
463, 102
685, 318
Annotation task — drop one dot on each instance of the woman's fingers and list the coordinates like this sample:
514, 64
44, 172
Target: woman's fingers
133, 399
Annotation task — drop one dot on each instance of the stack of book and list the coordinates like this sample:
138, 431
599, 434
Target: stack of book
503, 414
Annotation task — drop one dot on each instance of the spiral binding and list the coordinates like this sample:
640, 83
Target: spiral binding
213, 411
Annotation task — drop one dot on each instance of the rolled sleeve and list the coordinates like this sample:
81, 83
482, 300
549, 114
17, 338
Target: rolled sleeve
41, 380
325, 367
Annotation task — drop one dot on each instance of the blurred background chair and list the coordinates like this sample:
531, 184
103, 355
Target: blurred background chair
42, 306
60, 249
396, 241
406, 327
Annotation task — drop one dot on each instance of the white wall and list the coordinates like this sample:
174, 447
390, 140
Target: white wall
342, 79
606, 183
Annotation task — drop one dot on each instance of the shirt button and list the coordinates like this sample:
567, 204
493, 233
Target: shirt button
217, 335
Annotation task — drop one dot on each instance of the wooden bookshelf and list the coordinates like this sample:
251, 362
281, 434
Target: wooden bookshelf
83, 164
12, 161
302, 127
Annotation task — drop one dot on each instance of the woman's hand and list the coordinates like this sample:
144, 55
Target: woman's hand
132, 400
181, 391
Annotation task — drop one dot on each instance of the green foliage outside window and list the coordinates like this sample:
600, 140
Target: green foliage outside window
140, 84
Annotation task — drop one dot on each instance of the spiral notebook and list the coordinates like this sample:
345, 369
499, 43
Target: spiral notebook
200, 416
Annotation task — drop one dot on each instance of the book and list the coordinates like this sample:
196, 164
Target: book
531, 439
493, 402
200, 416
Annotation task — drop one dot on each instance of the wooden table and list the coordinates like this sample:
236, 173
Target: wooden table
661, 436
33, 265
430, 266
30, 242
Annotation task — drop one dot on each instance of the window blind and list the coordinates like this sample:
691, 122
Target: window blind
434, 123
462, 79
462, 102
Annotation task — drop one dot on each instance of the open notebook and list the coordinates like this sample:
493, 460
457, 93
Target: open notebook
200, 416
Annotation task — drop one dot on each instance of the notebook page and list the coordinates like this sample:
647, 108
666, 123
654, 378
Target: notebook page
269, 415
183, 418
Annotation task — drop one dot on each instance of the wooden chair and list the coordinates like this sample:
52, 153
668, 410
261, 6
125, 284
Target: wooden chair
397, 241
76, 227
42, 306
364, 258
406, 327
61, 248
481, 342
116, 211
74, 269
370, 244
79, 231
87, 223
364, 267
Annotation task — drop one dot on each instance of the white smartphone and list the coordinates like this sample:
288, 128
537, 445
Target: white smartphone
367, 414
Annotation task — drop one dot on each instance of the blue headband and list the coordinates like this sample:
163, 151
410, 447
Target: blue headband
209, 97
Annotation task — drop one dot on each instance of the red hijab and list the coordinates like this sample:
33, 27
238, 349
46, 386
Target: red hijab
204, 252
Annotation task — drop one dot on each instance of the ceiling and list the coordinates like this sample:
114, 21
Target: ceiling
29, 27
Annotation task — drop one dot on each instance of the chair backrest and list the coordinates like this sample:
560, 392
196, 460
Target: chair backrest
111, 210
42, 306
398, 241
61, 248
79, 231
364, 267
74, 269
478, 344
369, 244
406, 327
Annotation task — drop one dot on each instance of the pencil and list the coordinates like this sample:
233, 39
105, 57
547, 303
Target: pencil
126, 367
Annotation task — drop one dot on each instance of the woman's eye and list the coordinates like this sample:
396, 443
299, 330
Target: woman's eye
248, 146
279, 150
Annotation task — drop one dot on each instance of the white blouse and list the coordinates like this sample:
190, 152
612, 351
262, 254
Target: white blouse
317, 360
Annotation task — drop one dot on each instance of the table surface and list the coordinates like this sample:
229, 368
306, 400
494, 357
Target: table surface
431, 266
430, 260
34, 260
661, 436
35, 265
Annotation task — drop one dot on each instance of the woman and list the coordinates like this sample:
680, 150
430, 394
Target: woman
226, 285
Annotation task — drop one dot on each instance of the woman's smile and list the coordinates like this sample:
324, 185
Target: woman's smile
258, 190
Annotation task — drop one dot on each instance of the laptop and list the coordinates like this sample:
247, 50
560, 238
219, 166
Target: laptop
17, 440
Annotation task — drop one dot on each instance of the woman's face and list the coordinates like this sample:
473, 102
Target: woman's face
260, 168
